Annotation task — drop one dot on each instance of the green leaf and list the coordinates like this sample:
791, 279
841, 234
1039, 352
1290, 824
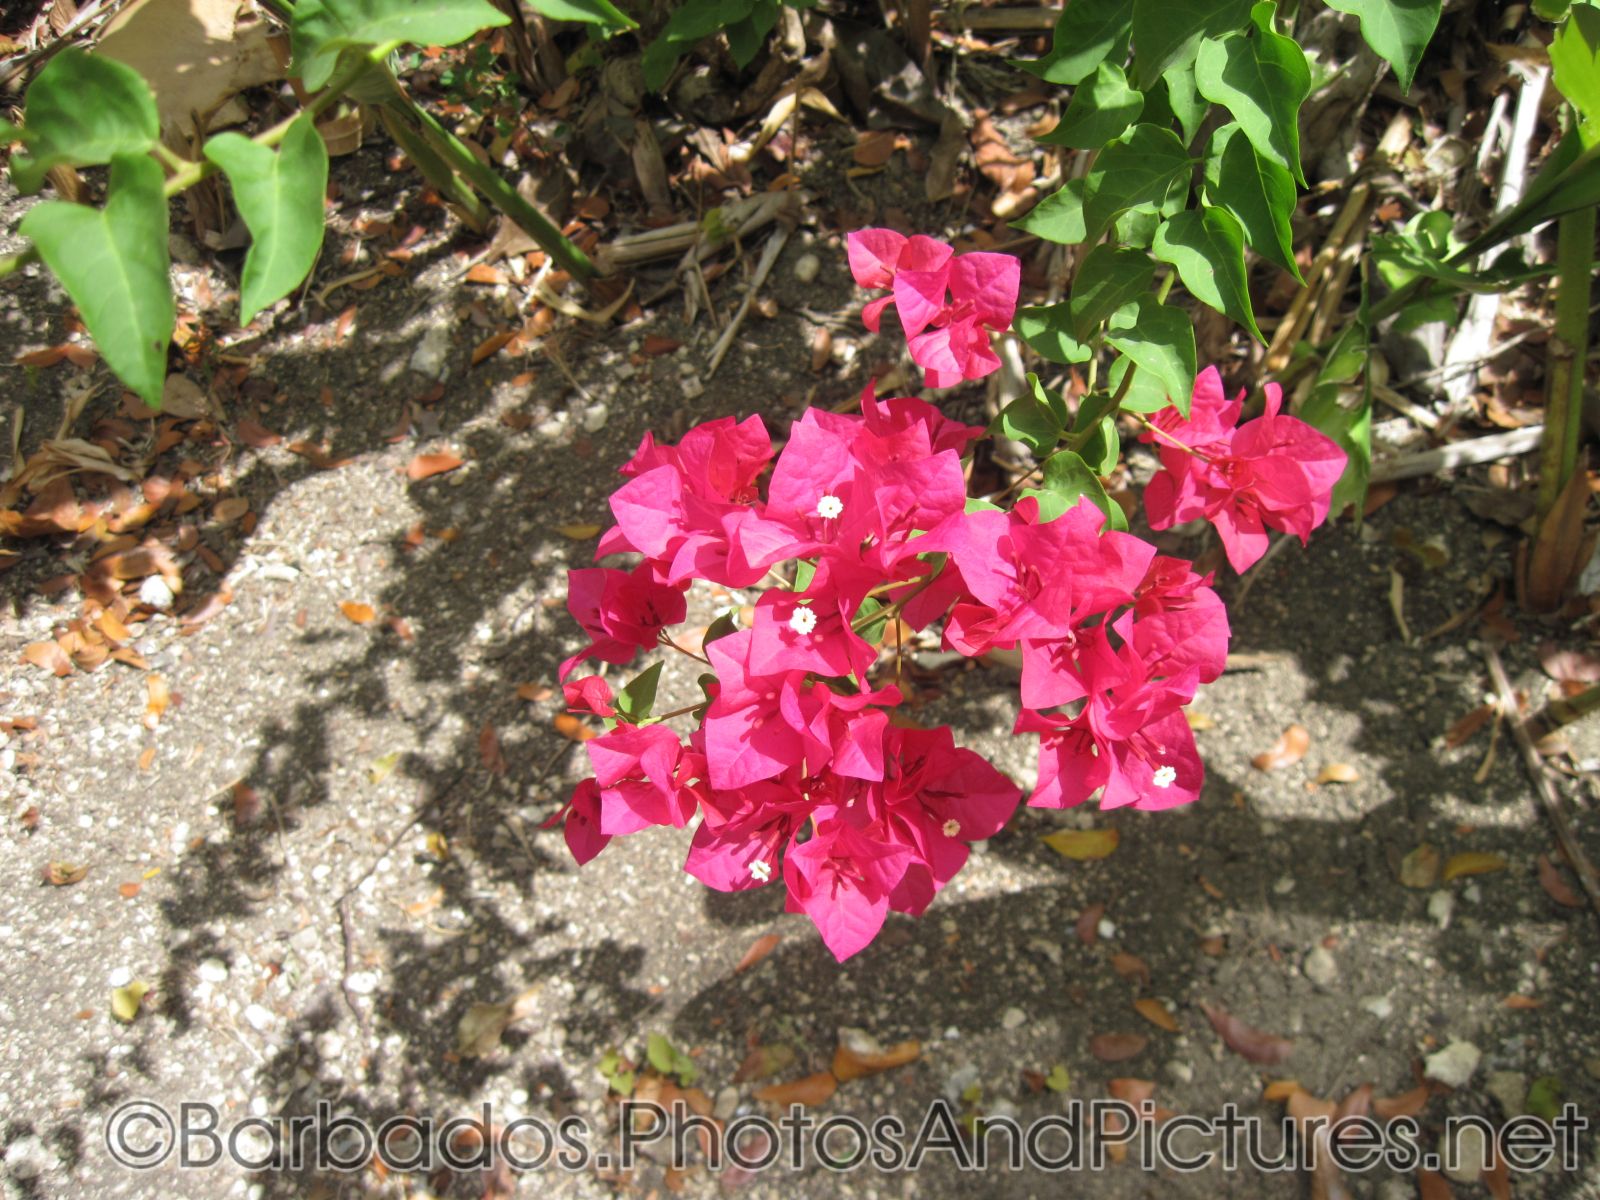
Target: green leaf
1101, 109
658, 61
1146, 394
1165, 31
594, 12
1136, 228
1187, 104
1109, 277
1345, 413
1067, 480
1575, 56
662, 1054
746, 37
1261, 78
1147, 166
1424, 312
1257, 191
113, 263
804, 572
725, 624
1399, 30
1160, 340
1206, 245
83, 110
1037, 420
1088, 32
321, 29
636, 700
872, 632
1058, 217
1048, 330
280, 198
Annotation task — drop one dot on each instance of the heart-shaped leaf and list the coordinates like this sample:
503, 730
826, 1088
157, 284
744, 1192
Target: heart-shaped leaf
1262, 79
83, 110
1207, 248
321, 29
113, 263
280, 198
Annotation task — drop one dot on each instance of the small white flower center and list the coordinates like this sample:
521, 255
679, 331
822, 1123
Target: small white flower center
1164, 777
803, 621
829, 507
951, 827
761, 870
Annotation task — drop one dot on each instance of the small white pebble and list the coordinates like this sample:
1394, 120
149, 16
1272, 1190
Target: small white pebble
212, 970
258, 1018
806, 267
120, 977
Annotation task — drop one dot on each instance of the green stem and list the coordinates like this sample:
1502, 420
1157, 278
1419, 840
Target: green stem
1569, 345
192, 173
501, 194
397, 120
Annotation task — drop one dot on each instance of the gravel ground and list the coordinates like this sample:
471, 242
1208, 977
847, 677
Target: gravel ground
309, 863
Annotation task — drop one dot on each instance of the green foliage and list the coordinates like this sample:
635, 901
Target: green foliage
1059, 216
635, 702
1206, 246
1101, 109
1257, 191
113, 263
1344, 412
1399, 30
1048, 330
1165, 33
1037, 420
83, 110
1146, 168
1109, 277
1069, 479
745, 22
1575, 59
1262, 79
1087, 33
603, 13
322, 29
280, 198
1159, 339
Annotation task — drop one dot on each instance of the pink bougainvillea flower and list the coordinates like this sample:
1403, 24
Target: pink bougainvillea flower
646, 778
1273, 472
1129, 737
948, 303
841, 878
1179, 621
590, 695
622, 612
579, 819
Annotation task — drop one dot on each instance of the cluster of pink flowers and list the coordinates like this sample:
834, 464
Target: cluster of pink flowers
1275, 472
797, 768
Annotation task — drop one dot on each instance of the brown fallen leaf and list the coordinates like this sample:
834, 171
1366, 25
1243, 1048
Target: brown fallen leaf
759, 949
1420, 868
1280, 1089
1519, 1001
358, 613
63, 874
256, 435
569, 727
1130, 966
129, 890
809, 1091
657, 344
1157, 1013
534, 693
1432, 1186
491, 345
479, 1031
1289, 749
763, 1062
1117, 1047
1338, 773
147, 758
1267, 1049
230, 510
48, 656
1472, 862
579, 531
158, 696
859, 1054
874, 147
1088, 924
1083, 844
426, 466
1406, 1104
1554, 882
494, 758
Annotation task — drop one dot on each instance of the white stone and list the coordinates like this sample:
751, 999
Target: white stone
806, 267
155, 592
1320, 967
1441, 906
258, 1018
1379, 1006
432, 355
1471, 1156
595, 417
212, 970
120, 977
1455, 1065
1012, 1018
362, 983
